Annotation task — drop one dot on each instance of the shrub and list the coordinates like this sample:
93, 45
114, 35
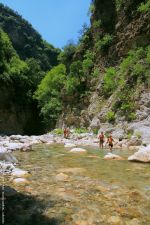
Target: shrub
96, 72
80, 130
138, 134
95, 131
144, 7
131, 116
109, 82
104, 43
97, 24
57, 131
110, 116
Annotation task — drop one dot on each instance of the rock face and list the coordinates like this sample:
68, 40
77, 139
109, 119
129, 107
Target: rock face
143, 155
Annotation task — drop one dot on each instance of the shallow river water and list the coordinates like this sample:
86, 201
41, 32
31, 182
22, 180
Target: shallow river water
79, 189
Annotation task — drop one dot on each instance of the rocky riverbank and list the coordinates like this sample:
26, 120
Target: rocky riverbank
24, 143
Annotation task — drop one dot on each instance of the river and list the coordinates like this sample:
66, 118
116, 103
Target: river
79, 189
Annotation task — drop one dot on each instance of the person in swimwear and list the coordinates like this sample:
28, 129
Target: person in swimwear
110, 141
101, 140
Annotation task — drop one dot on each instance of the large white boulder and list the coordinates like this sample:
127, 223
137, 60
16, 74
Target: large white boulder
76, 150
143, 155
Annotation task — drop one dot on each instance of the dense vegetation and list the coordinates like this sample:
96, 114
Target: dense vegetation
27, 41
58, 80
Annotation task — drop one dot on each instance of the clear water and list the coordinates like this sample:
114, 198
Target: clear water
80, 189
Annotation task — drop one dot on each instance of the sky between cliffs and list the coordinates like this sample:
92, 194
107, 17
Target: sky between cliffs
58, 21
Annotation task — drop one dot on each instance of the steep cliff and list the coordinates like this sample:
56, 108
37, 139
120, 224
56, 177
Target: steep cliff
24, 59
119, 38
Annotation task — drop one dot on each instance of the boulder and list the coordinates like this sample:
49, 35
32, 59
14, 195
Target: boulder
19, 173
112, 156
143, 155
69, 145
14, 146
116, 220
20, 181
8, 157
61, 177
76, 150
6, 168
2, 149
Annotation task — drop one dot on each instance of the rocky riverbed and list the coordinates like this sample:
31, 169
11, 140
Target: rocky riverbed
55, 185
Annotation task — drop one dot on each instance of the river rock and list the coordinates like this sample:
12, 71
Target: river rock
61, 177
6, 168
14, 146
2, 149
69, 145
134, 221
143, 155
115, 220
8, 157
20, 181
112, 156
19, 173
76, 150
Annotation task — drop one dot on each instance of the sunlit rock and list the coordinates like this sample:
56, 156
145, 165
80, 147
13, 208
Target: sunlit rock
69, 145
19, 173
20, 181
112, 156
115, 220
78, 150
61, 177
143, 155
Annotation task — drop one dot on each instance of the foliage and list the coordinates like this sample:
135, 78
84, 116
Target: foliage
91, 9
104, 43
88, 62
138, 134
97, 24
57, 131
144, 7
48, 93
80, 130
110, 116
96, 72
66, 56
118, 4
26, 40
109, 82
95, 131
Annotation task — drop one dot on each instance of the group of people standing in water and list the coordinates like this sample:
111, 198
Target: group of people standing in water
101, 138
109, 141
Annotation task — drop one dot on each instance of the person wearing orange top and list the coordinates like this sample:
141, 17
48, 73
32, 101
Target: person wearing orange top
110, 141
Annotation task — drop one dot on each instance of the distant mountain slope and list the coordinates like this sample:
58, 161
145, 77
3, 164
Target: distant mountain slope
26, 40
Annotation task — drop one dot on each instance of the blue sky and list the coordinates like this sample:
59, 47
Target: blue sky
58, 21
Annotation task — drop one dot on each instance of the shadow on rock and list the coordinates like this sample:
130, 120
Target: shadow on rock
21, 209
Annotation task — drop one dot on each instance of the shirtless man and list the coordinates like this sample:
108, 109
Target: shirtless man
110, 141
101, 140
